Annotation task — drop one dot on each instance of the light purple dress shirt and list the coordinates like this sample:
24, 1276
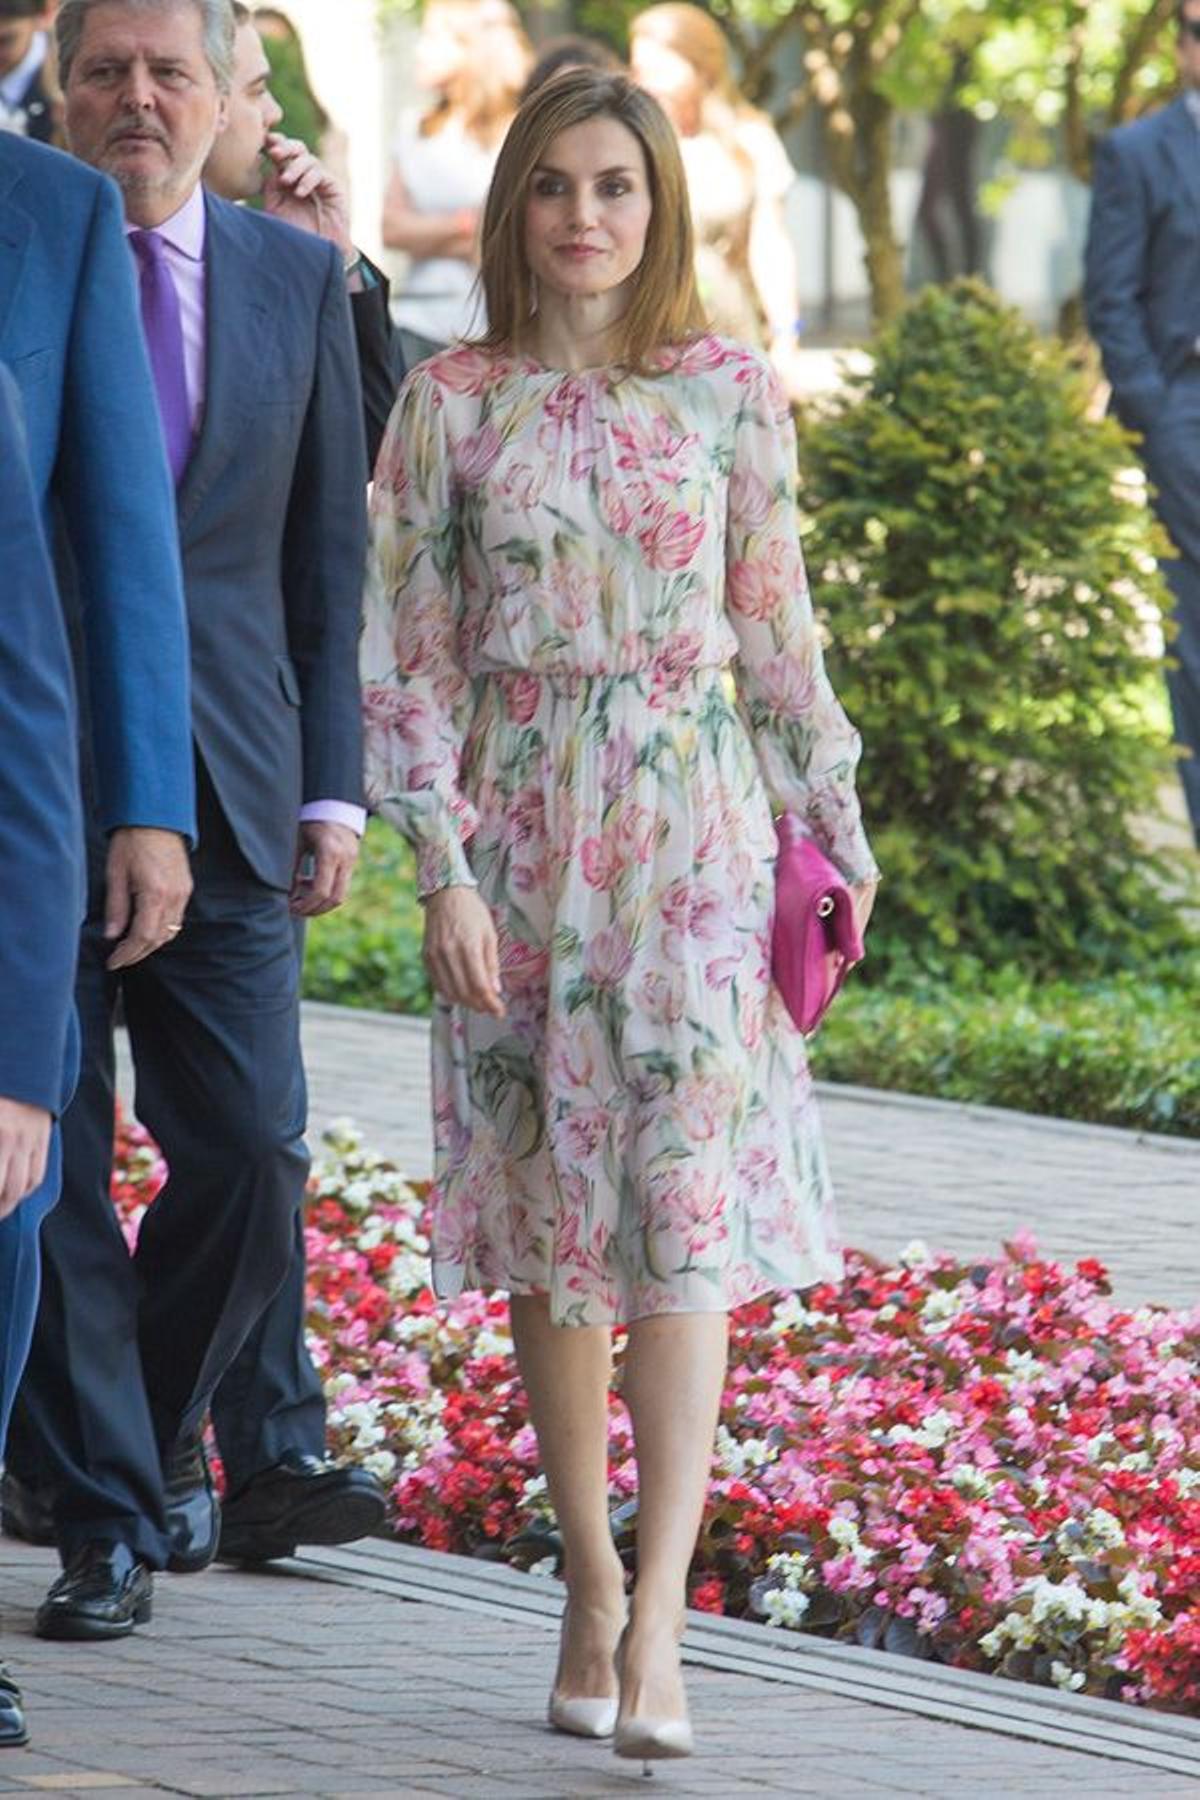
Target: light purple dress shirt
183, 236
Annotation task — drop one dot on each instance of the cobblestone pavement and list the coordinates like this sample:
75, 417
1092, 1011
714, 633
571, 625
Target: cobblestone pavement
265, 1684
962, 1178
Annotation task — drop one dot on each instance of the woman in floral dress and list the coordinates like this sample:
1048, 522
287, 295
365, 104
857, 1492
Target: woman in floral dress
592, 675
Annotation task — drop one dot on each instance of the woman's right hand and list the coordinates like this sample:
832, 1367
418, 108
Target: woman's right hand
462, 951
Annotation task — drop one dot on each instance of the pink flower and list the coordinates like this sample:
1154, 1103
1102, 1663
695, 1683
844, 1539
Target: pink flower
475, 456
608, 957
521, 696
672, 540
618, 763
465, 371
749, 498
601, 862
788, 686
752, 590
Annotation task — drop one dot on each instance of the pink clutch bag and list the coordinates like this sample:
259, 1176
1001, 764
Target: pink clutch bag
816, 939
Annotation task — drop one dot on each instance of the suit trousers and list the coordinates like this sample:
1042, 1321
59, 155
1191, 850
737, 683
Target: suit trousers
128, 1350
270, 1399
20, 1280
1172, 456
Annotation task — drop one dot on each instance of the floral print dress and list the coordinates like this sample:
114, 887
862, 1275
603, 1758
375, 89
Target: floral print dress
591, 677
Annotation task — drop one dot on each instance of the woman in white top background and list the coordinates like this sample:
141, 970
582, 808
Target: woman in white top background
738, 175
472, 58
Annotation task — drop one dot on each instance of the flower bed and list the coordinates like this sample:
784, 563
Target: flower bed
991, 1464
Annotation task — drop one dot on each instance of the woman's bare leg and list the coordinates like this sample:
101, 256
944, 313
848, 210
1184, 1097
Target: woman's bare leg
566, 1370
674, 1375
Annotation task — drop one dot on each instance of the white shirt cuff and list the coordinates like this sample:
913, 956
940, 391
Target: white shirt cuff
335, 812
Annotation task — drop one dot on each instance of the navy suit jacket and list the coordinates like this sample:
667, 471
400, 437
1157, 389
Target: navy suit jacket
1142, 270
70, 331
41, 843
272, 526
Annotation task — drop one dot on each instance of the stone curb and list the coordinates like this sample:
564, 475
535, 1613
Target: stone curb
1101, 1728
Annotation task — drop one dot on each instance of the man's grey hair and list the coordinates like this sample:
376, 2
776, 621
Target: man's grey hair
217, 17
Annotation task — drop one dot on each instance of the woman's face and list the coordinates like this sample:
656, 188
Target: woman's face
440, 54
670, 77
588, 210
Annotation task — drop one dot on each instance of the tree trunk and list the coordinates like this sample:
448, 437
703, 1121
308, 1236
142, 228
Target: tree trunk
873, 199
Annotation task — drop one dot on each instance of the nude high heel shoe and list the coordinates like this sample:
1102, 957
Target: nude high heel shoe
648, 1740
582, 1717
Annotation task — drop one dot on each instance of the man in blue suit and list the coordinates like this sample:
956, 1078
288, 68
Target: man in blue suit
1143, 306
41, 902
251, 344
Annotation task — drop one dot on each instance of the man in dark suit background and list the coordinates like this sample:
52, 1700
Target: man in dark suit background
26, 103
269, 1409
1143, 307
41, 902
253, 354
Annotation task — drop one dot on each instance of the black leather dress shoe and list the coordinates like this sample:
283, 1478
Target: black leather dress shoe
193, 1511
302, 1500
13, 1729
25, 1511
104, 1591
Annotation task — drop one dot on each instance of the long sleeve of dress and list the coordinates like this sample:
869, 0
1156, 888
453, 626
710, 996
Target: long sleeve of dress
807, 748
417, 697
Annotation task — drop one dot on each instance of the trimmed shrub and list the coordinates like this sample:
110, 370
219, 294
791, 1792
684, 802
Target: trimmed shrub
986, 568
368, 953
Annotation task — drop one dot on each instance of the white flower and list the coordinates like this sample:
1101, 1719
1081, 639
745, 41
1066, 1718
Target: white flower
972, 1483
381, 1464
1063, 1676
547, 1566
942, 1305
785, 1607
915, 1255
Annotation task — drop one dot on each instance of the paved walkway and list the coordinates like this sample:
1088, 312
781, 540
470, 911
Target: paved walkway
962, 1178
309, 1680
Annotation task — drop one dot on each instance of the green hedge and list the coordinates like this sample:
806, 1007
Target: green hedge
1123, 1050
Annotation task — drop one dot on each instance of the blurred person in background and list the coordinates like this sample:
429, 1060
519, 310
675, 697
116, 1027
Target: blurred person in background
1143, 311
574, 51
28, 89
253, 159
304, 117
473, 58
738, 175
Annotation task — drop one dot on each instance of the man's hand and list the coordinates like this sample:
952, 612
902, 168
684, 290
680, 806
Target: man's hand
24, 1147
462, 951
301, 191
325, 860
149, 884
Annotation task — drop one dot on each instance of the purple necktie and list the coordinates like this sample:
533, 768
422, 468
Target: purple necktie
163, 326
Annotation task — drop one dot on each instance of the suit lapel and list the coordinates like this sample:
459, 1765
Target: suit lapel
1183, 146
16, 228
240, 295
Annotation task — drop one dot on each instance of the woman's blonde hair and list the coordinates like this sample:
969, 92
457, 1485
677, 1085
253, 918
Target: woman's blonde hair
496, 68
665, 309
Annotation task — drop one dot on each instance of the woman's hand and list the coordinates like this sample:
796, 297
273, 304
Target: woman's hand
462, 951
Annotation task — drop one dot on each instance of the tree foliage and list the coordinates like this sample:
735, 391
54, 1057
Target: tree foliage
987, 571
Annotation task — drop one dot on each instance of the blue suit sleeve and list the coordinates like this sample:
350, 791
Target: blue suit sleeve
41, 843
324, 558
119, 506
1115, 268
